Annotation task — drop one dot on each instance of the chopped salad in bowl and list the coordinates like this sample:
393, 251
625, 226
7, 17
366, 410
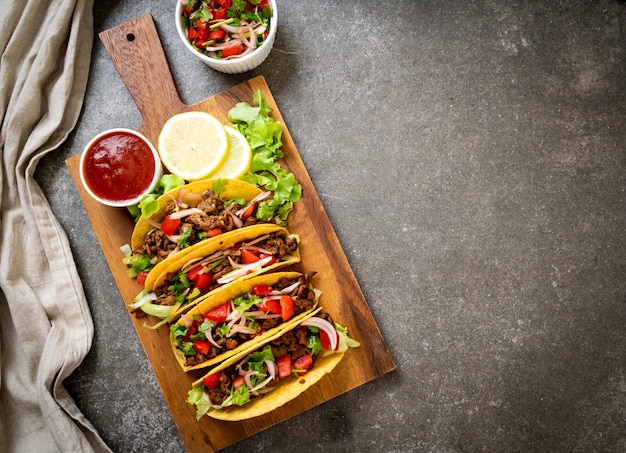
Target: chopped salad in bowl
228, 35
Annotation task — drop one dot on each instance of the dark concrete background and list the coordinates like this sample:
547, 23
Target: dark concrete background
472, 159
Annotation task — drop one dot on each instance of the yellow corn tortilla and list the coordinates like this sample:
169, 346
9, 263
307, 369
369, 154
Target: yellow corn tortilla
225, 294
234, 188
287, 389
174, 263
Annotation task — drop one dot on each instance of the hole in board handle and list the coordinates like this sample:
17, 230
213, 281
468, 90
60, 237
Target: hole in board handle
130, 37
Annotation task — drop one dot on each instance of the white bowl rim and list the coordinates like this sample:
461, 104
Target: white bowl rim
215, 61
123, 203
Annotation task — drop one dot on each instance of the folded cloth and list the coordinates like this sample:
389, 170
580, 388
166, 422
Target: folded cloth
45, 325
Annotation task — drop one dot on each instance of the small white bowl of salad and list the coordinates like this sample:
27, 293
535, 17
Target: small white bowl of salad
231, 36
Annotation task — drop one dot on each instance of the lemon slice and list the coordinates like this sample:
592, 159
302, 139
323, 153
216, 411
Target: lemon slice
238, 158
193, 145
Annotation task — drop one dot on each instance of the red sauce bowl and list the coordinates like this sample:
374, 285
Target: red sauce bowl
119, 166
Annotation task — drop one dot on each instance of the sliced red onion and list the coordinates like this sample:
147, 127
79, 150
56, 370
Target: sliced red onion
224, 45
260, 29
324, 325
247, 30
187, 321
202, 261
174, 237
259, 315
236, 220
154, 224
246, 378
190, 264
244, 270
272, 369
261, 385
260, 197
209, 336
287, 289
231, 28
254, 248
185, 212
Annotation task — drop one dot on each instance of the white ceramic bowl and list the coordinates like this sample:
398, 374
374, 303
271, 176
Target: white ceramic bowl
119, 177
235, 65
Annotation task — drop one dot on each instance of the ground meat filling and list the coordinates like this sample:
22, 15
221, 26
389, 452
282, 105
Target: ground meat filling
292, 342
304, 298
278, 243
214, 215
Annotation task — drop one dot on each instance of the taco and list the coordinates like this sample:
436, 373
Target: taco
191, 214
186, 279
273, 372
253, 309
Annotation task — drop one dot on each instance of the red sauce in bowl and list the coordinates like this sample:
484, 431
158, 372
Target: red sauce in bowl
119, 166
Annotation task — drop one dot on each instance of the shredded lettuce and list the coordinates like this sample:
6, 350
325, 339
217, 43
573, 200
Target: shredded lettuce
135, 263
195, 397
160, 311
264, 135
148, 204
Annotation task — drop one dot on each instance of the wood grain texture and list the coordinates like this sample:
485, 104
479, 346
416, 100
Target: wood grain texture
137, 53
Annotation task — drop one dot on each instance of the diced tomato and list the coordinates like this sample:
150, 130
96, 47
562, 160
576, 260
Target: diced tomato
219, 13
249, 211
194, 273
200, 25
261, 290
248, 257
203, 36
192, 34
141, 277
303, 363
217, 35
190, 331
188, 9
271, 306
204, 281
213, 232
212, 381
202, 346
284, 366
233, 50
263, 4
224, 3
270, 262
325, 339
219, 314
238, 382
169, 225
288, 307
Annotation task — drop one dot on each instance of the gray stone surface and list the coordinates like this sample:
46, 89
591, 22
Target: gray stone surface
472, 159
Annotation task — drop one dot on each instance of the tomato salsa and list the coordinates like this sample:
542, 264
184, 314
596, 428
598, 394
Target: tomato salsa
119, 166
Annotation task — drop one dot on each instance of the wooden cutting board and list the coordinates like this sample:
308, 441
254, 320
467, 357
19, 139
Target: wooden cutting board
137, 53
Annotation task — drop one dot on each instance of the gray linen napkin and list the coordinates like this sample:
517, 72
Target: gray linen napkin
45, 325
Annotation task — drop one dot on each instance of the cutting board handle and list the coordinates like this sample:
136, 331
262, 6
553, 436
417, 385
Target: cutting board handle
136, 51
